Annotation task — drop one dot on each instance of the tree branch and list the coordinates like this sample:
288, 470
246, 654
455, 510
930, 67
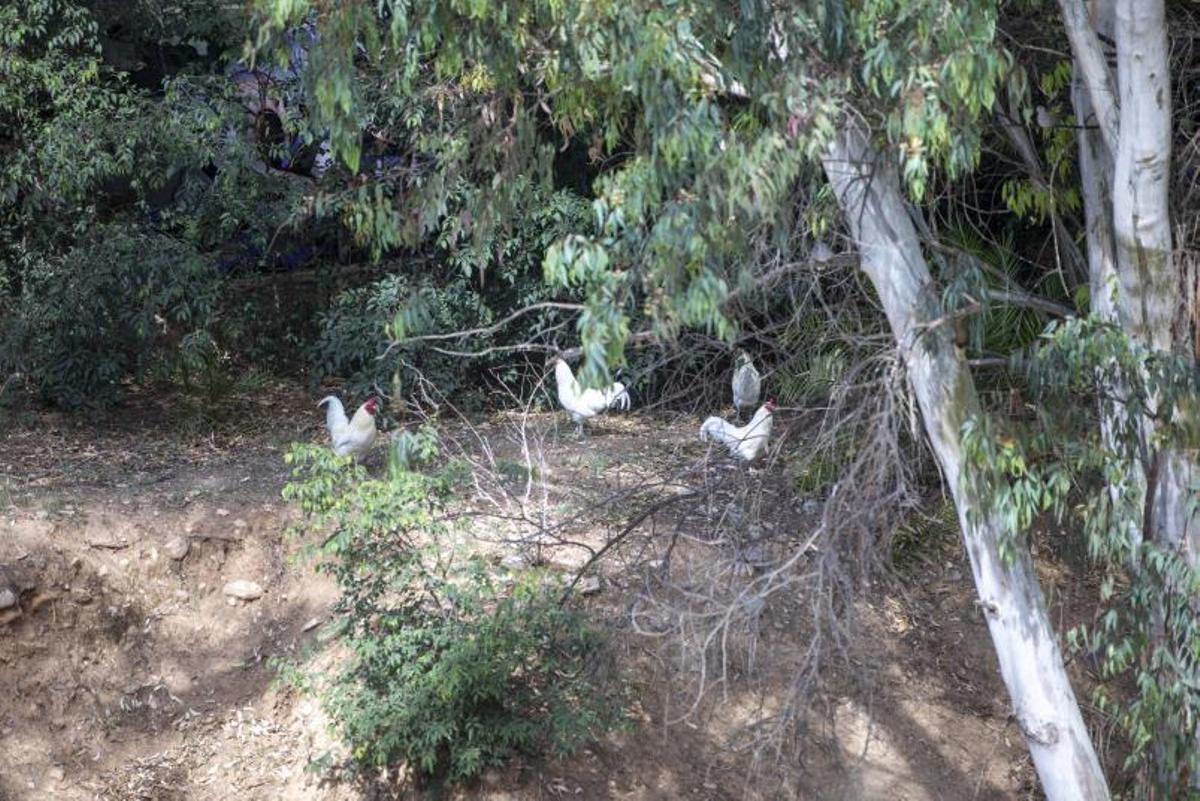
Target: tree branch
1019, 297
496, 326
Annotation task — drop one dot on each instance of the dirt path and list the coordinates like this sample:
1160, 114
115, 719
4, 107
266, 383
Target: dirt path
129, 674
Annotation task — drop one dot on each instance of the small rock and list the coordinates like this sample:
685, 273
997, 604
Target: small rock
810, 506
8, 597
312, 624
42, 514
182, 595
57, 773
514, 561
954, 575
491, 778
239, 523
176, 547
102, 571
82, 597
222, 513
589, 586
243, 589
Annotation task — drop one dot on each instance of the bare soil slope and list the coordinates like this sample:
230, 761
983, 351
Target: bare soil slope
127, 673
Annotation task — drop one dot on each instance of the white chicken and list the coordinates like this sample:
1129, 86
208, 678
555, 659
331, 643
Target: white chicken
745, 442
352, 437
582, 404
747, 384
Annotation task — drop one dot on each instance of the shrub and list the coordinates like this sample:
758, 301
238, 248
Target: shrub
451, 671
120, 305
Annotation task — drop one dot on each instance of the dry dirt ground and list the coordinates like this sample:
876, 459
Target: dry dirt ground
127, 673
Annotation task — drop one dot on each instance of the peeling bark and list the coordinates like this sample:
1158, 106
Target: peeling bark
1030, 659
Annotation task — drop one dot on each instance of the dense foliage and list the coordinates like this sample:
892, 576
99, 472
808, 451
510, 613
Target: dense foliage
183, 164
458, 286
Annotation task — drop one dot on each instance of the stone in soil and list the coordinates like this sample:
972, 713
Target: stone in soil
243, 590
176, 548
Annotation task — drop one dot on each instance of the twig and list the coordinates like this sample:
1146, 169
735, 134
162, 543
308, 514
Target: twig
221, 537
966, 311
988, 361
109, 546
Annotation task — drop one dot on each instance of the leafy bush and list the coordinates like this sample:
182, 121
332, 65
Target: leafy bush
461, 285
120, 305
451, 672
104, 236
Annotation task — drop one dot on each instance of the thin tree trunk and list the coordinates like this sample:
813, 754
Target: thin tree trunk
1095, 179
1091, 64
1149, 296
1096, 172
1030, 660
1153, 302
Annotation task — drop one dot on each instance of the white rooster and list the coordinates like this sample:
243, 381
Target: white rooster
746, 442
582, 404
747, 384
352, 437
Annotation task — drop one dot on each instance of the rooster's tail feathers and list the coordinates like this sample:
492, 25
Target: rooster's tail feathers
618, 397
712, 429
335, 415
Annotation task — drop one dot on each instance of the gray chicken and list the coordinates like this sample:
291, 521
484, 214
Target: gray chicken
747, 384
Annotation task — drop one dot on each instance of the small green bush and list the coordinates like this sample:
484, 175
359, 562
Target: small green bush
452, 671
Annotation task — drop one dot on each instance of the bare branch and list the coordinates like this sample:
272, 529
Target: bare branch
1019, 297
640, 338
496, 326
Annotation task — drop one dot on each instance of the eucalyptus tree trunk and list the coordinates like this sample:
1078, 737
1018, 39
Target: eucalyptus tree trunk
1152, 304
1010, 596
1125, 176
